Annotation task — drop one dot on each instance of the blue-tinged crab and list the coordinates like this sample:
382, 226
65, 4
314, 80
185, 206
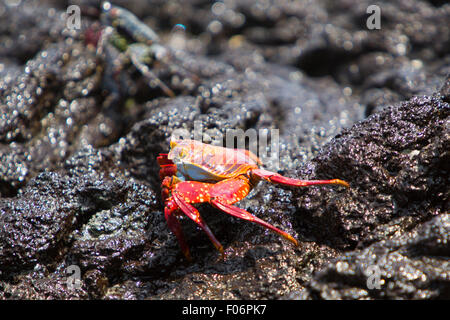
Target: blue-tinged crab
193, 173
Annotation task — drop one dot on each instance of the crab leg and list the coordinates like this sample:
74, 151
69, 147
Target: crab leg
277, 178
137, 53
167, 170
230, 191
127, 20
190, 211
174, 225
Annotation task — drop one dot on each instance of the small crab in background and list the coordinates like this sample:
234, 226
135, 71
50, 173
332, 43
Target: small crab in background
124, 40
193, 173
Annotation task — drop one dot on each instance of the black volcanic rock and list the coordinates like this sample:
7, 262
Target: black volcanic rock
80, 129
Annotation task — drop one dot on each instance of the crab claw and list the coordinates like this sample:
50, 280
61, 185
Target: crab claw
167, 167
277, 178
162, 159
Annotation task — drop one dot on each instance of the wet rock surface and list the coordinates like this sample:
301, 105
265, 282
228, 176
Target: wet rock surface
79, 136
413, 265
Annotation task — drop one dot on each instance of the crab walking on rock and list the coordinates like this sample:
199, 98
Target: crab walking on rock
194, 172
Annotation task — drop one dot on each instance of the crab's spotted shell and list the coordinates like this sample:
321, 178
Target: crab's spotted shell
204, 162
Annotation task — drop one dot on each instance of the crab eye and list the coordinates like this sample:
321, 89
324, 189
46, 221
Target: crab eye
182, 153
177, 153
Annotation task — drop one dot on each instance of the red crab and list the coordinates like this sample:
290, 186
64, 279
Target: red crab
194, 172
